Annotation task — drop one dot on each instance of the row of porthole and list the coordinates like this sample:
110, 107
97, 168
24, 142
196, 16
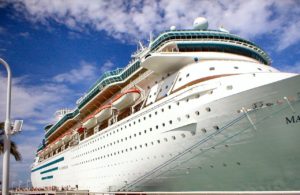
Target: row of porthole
139, 120
125, 126
117, 130
130, 149
213, 68
152, 143
197, 113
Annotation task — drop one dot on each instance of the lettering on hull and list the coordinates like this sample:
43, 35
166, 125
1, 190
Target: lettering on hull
293, 119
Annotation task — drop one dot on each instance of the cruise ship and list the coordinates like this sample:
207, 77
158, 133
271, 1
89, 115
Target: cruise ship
195, 110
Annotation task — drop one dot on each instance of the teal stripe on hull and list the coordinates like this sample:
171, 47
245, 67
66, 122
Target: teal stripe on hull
48, 164
47, 177
49, 170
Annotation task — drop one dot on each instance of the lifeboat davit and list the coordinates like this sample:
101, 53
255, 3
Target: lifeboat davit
90, 122
126, 99
103, 113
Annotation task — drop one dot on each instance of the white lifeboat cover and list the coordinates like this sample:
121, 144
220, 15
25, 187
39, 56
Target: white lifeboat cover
126, 99
103, 113
91, 122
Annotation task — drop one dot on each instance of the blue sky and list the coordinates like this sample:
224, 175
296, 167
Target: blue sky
58, 49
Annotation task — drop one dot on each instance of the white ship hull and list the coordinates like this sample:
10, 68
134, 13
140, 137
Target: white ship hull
186, 142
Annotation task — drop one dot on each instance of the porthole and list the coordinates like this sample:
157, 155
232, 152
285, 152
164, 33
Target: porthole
183, 135
259, 69
229, 87
162, 110
203, 130
236, 67
156, 126
158, 141
179, 79
150, 115
166, 86
216, 127
197, 113
187, 75
170, 121
187, 116
150, 129
178, 103
134, 135
165, 139
169, 106
212, 68
163, 124
173, 137
160, 90
155, 112
145, 131
208, 109
178, 118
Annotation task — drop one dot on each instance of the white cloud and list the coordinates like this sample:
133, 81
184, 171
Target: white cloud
289, 36
32, 102
86, 71
133, 20
108, 65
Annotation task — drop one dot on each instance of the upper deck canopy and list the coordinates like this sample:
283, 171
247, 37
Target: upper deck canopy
211, 36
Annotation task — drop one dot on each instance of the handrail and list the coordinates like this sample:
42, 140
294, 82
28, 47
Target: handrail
107, 80
208, 35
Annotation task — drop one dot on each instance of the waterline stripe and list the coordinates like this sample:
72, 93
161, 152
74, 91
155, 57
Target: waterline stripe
48, 164
47, 177
50, 170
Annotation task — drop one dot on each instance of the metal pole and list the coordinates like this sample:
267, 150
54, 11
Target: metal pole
6, 136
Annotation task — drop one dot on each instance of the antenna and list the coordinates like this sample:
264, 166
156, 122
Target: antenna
150, 38
221, 28
141, 45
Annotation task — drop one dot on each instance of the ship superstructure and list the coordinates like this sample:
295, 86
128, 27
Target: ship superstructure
196, 110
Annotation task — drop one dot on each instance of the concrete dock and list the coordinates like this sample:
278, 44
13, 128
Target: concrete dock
85, 192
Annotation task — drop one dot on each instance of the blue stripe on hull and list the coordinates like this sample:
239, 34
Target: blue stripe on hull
48, 164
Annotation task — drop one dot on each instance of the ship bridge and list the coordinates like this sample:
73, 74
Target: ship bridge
208, 40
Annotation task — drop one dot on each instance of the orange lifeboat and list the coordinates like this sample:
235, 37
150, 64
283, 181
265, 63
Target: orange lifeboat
126, 99
103, 113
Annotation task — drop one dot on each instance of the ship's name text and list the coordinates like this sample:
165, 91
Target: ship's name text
292, 119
